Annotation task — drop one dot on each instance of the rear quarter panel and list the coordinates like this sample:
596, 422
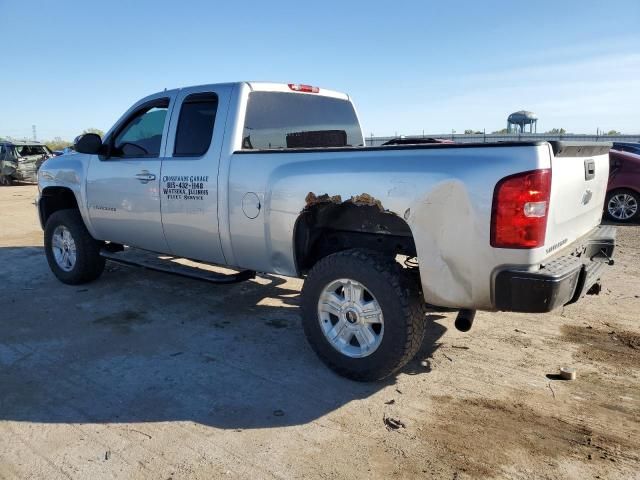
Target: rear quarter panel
625, 171
444, 194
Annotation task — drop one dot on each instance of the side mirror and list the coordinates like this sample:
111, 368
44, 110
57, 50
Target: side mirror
90, 143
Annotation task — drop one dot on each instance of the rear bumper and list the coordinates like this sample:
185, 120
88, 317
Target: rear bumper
561, 281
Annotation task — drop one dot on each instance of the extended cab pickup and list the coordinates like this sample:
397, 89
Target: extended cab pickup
276, 178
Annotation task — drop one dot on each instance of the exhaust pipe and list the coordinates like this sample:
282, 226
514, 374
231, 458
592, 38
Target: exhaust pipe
464, 320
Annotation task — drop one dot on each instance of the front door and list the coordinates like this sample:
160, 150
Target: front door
123, 187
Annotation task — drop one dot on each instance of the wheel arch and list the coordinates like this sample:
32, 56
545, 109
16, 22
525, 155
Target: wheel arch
634, 188
329, 227
55, 198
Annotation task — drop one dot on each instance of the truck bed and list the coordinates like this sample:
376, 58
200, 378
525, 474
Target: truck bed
443, 191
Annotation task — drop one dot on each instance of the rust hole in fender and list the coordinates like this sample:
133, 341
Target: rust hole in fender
361, 200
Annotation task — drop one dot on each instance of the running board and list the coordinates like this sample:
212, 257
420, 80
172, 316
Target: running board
151, 261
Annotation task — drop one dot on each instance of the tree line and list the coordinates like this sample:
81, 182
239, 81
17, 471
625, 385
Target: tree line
57, 143
553, 131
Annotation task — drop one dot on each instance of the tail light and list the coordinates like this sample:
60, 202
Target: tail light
297, 87
520, 208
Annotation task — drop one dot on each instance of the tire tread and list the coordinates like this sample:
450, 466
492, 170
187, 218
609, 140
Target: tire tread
412, 306
90, 264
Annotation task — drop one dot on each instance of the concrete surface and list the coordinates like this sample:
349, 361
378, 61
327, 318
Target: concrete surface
143, 375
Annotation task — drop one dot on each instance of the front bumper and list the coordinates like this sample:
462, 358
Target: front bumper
561, 281
40, 216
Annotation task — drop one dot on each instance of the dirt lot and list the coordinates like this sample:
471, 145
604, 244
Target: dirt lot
143, 375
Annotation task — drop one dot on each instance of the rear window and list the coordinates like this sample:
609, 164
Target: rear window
277, 120
195, 126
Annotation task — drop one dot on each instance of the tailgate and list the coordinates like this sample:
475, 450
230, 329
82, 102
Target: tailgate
579, 177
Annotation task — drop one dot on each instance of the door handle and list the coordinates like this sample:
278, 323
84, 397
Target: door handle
145, 177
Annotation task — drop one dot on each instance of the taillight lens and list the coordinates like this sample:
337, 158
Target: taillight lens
520, 210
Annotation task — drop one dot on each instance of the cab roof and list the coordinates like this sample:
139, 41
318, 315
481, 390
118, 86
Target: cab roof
268, 87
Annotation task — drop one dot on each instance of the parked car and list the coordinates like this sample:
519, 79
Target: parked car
631, 147
275, 178
64, 151
623, 191
20, 160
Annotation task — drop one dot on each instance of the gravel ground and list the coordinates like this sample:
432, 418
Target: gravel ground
144, 375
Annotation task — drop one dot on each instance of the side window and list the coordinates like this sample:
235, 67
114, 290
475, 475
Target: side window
12, 153
195, 125
141, 134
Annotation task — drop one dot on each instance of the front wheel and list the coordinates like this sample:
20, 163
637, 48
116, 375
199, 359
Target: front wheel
72, 253
622, 205
362, 314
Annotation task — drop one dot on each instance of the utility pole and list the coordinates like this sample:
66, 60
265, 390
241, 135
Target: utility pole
33, 129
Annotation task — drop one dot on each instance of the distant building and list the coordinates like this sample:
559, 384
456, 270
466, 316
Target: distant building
517, 122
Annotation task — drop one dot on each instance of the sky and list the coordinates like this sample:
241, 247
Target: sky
409, 66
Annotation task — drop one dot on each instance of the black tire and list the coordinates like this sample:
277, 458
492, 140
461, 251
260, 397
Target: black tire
622, 191
397, 294
89, 264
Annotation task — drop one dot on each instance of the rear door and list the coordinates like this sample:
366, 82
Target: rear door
580, 172
123, 188
189, 181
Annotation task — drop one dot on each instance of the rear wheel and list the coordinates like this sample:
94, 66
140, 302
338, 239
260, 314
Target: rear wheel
362, 314
622, 205
72, 253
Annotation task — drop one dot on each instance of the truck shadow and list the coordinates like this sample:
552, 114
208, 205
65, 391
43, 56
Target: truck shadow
138, 346
633, 223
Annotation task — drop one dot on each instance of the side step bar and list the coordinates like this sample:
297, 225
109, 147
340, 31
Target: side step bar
150, 261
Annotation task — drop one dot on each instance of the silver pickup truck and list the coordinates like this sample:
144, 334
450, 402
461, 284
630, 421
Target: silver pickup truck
276, 178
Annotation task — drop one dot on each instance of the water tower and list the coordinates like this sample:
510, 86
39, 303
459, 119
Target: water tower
517, 122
